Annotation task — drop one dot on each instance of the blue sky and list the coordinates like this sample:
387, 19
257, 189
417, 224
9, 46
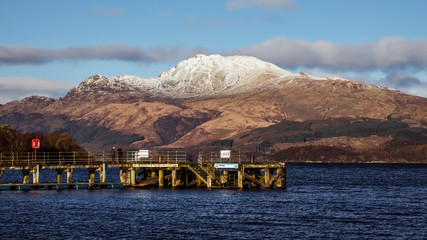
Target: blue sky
49, 46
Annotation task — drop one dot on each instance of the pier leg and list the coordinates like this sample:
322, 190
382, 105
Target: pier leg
253, 172
240, 179
209, 185
161, 178
281, 181
1, 172
267, 177
36, 174
174, 178
91, 177
132, 177
224, 178
69, 175
186, 173
102, 174
26, 178
122, 173
59, 175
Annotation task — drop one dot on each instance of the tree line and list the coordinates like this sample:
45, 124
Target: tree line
393, 151
12, 140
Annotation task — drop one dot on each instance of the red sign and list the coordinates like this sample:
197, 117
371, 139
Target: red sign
35, 143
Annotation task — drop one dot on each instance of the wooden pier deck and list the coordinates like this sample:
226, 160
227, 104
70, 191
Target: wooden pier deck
160, 169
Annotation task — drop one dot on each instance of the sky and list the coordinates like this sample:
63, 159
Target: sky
49, 46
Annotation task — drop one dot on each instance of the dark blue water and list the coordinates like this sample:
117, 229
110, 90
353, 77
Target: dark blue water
322, 201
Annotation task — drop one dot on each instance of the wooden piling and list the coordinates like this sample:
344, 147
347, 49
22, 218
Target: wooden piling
59, 175
161, 178
69, 175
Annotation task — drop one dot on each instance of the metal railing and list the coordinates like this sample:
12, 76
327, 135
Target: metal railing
215, 157
87, 158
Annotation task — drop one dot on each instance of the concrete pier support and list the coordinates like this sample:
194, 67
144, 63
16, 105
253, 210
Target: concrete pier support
69, 175
161, 178
36, 174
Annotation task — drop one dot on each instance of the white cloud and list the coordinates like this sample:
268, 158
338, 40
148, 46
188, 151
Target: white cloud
242, 4
386, 53
17, 88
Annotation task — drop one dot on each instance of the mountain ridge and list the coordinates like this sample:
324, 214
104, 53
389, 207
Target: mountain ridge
203, 99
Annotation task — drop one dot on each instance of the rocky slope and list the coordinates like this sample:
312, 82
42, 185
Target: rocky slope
203, 99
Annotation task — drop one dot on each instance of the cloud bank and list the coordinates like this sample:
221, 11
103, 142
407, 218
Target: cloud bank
386, 53
16, 88
22, 55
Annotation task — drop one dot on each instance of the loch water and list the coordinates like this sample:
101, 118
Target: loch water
322, 201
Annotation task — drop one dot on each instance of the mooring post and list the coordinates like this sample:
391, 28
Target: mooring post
36, 174
69, 175
161, 178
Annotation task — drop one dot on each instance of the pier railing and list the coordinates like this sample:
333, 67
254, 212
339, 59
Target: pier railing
87, 158
215, 157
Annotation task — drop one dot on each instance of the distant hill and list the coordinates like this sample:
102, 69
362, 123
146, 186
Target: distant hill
251, 104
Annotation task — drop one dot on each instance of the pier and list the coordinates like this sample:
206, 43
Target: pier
145, 168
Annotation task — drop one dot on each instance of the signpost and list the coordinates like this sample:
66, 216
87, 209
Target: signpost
35, 144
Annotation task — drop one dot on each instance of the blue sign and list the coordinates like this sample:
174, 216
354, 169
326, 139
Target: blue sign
227, 166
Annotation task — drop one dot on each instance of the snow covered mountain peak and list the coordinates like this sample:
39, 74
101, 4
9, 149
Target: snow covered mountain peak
198, 76
204, 75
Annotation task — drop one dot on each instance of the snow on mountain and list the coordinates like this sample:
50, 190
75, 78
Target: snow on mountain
199, 76
209, 75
